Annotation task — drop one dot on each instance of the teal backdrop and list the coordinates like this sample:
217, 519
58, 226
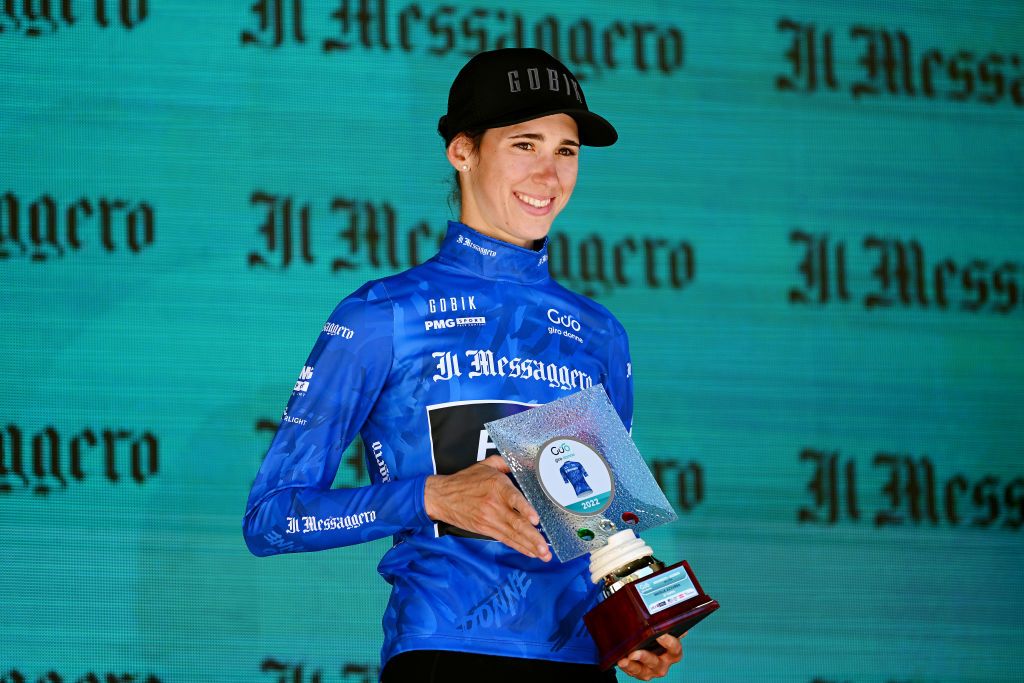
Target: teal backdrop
811, 227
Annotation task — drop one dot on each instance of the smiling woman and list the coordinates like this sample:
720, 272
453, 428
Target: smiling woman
429, 355
515, 122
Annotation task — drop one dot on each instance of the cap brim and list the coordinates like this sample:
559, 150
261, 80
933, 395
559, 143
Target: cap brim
594, 130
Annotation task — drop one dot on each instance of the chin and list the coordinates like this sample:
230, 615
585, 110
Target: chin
527, 229
535, 233
540, 225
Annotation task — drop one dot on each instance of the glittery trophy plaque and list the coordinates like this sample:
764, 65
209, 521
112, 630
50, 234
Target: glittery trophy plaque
581, 471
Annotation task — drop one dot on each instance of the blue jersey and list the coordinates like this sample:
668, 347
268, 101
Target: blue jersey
576, 474
416, 363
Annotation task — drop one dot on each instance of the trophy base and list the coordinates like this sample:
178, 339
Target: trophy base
669, 601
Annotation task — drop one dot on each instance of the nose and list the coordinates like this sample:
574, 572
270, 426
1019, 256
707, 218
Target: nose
545, 173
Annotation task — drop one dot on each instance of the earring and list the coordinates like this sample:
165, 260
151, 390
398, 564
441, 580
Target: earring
465, 167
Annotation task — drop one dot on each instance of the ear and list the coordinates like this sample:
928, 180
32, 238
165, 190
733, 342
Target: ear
461, 153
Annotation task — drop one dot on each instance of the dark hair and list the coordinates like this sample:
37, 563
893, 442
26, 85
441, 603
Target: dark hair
455, 195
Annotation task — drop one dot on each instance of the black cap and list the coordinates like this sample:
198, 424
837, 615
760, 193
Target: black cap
515, 84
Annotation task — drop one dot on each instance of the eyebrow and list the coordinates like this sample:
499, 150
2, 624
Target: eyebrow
538, 136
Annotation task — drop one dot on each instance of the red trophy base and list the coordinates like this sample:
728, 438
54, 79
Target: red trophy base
622, 622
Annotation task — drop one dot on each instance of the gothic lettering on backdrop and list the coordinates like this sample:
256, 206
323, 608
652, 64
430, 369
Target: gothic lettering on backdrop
886, 64
39, 18
908, 490
367, 234
283, 671
45, 229
51, 676
898, 274
683, 483
48, 459
588, 46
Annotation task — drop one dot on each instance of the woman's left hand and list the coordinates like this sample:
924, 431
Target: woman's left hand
646, 665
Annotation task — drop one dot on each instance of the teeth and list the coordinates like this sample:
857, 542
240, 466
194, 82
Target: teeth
539, 203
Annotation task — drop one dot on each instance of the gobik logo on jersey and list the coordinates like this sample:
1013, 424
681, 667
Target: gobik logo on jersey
459, 439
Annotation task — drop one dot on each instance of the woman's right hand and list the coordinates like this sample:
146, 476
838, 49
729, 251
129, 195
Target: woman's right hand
482, 499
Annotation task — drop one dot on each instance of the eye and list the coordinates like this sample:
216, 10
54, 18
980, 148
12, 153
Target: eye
567, 151
523, 145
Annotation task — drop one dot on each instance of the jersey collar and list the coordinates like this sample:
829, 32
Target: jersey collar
492, 258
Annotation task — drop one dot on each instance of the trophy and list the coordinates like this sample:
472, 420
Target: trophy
578, 467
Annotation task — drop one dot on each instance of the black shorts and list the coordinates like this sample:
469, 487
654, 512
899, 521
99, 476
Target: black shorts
443, 666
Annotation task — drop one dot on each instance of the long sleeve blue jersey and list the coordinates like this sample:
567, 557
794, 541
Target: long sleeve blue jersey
416, 363
576, 474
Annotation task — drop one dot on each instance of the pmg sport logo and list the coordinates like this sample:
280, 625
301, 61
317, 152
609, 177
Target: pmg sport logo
449, 323
564, 324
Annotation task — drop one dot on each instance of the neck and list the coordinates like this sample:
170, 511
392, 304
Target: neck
493, 258
485, 229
